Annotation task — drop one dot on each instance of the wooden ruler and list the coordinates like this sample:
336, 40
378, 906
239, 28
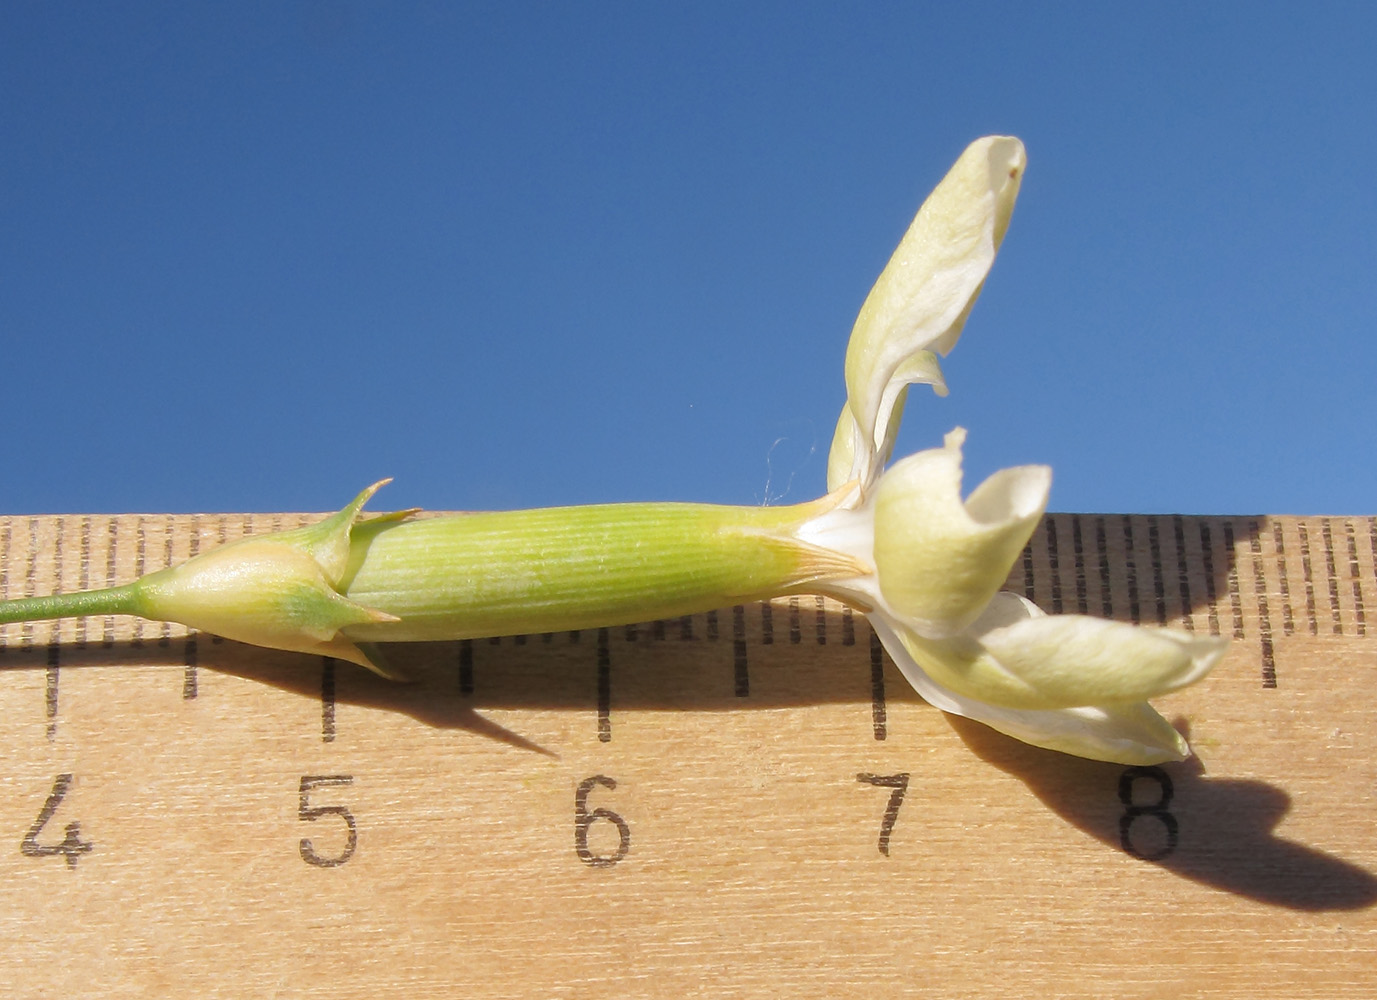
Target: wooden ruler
749, 803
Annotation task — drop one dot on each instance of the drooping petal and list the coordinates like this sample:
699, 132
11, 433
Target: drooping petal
1015, 656
940, 560
1133, 733
922, 298
1079, 660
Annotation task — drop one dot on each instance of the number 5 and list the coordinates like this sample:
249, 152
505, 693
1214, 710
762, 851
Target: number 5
308, 813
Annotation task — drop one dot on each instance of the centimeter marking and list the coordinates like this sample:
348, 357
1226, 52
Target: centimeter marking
1246, 577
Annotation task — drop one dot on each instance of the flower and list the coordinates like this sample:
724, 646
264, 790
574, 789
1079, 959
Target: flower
900, 545
1068, 682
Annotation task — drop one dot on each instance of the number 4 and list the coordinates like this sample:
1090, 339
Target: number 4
72, 846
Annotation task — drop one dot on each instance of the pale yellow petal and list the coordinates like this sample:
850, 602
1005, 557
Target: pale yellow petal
940, 560
1132, 733
922, 298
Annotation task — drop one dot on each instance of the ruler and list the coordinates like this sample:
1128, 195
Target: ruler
746, 803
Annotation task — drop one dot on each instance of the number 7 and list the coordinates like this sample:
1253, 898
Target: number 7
898, 782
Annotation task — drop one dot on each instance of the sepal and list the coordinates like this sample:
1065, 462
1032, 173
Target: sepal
278, 590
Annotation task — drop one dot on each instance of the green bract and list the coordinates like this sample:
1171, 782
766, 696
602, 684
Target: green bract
903, 545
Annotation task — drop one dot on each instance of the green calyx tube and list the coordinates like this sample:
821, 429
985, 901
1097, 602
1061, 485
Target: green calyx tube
550, 569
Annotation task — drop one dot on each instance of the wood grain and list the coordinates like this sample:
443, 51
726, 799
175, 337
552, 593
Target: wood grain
690, 808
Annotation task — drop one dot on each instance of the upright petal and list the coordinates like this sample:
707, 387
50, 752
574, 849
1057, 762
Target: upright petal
921, 299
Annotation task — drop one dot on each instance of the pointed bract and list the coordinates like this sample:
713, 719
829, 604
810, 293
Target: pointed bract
277, 590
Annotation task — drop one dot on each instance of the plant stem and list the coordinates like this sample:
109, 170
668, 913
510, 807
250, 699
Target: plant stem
122, 600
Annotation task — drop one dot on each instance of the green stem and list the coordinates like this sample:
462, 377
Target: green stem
111, 601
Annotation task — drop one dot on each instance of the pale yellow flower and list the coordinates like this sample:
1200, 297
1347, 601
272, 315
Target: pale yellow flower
937, 560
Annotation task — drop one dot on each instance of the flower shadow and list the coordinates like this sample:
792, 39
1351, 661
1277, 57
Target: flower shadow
1216, 831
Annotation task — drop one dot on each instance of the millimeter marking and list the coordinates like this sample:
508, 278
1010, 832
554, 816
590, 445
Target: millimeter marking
1281, 576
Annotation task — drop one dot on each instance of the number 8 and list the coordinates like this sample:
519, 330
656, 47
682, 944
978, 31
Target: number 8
1157, 809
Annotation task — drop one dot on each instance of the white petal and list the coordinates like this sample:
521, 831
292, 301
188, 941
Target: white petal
1014, 656
841, 457
845, 463
1078, 660
922, 297
1127, 734
940, 560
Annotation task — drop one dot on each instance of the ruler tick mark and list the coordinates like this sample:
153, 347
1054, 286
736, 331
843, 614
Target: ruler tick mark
1131, 570
140, 568
55, 629
30, 576
5, 534
50, 690
1372, 539
466, 667
1183, 584
107, 626
1308, 574
4, 577
1053, 563
1159, 583
740, 671
604, 688
1235, 597
879, 717
1269, 666
84, 580
190, 679
1355, 576
1102, 548
1078, 548
1327, 534
1288, 624
1028, 588
327, 700
1207, 557
165, 628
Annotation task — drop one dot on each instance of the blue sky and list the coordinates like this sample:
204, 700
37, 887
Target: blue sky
256, 256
